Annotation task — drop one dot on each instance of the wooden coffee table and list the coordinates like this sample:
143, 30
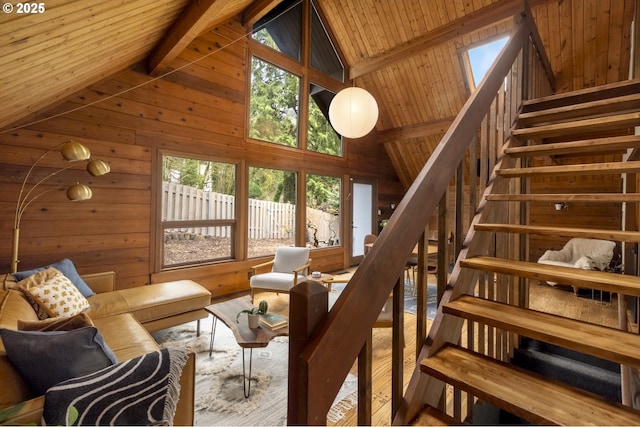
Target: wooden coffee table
246, 337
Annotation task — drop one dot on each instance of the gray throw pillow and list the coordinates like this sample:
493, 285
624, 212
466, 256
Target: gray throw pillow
46, 358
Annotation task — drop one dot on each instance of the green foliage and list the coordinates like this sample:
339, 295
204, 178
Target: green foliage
322, 138
323, 192
273, 185
274, 105
202, 174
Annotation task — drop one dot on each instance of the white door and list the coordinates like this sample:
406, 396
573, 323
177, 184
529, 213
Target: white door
362, 222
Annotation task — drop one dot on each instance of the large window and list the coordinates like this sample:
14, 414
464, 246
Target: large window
274, 104
272, 210
198, 211
275, 91
323, 211
321, 137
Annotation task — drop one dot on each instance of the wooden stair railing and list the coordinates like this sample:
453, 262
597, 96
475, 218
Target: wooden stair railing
527, 395
347, 326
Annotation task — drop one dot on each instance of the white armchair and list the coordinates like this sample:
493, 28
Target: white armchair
289, 267
587, 254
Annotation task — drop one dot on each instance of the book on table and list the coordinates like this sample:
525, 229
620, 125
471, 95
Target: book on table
273, 320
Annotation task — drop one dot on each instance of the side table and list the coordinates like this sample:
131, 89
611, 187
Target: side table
246, 337
324, 278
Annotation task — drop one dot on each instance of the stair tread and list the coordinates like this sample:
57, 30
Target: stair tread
592, 279
595, 145
574, 127
589, 338
524, 394
577, 169
621, 235
589, 108
589, 94
573, 197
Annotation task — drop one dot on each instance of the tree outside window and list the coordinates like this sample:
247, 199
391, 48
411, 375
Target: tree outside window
323, 211
272, 210
322, 138
273, 116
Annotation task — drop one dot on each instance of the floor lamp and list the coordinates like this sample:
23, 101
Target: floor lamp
72, 152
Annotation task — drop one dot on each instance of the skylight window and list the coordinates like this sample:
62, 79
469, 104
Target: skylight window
482, 57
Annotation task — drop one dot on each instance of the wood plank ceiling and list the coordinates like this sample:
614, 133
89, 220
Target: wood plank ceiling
406, 52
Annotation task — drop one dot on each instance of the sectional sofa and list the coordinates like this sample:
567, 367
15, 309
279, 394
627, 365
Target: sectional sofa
124, 319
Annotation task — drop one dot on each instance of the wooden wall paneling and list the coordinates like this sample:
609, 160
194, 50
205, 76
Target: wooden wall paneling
84, 129
601, 41
140, 113
177, 97
177, 85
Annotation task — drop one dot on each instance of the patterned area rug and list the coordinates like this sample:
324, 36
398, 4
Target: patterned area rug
219, 389
410, 301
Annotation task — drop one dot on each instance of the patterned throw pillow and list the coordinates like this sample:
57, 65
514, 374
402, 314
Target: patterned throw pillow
53, 293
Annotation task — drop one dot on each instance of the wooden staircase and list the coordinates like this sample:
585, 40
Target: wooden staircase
585, 123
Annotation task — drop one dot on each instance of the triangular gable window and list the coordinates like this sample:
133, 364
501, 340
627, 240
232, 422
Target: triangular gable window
480, 58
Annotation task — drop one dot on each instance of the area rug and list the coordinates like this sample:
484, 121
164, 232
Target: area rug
410, 301
219, 389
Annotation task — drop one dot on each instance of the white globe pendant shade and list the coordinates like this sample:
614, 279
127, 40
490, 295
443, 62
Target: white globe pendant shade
353, 112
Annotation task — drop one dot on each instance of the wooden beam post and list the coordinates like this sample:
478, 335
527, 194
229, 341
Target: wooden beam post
309, 303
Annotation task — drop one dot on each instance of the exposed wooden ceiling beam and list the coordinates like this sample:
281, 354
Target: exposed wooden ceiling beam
438, 127
257, 10
197, 17
474, 21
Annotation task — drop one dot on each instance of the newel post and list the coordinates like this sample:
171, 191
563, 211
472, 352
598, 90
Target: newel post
308, 306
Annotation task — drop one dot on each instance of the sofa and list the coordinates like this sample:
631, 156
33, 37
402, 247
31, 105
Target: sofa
123, 318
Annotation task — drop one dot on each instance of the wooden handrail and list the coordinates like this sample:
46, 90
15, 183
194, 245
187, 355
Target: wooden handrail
335, 345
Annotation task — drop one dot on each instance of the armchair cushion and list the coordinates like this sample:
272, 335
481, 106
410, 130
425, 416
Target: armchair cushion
276, 281
288, 259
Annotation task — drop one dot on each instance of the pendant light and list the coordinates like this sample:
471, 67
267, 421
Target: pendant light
353, 112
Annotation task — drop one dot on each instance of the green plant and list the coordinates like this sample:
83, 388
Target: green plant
262, 308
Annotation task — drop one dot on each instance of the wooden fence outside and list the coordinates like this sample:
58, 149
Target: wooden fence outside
267, 220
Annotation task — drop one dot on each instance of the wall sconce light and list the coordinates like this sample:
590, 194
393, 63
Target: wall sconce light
72, 152
392, 205
561, 205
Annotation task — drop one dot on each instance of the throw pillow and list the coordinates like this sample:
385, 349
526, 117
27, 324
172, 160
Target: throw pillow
78, 321
54, 293
67, 268
47, 358
140, 391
